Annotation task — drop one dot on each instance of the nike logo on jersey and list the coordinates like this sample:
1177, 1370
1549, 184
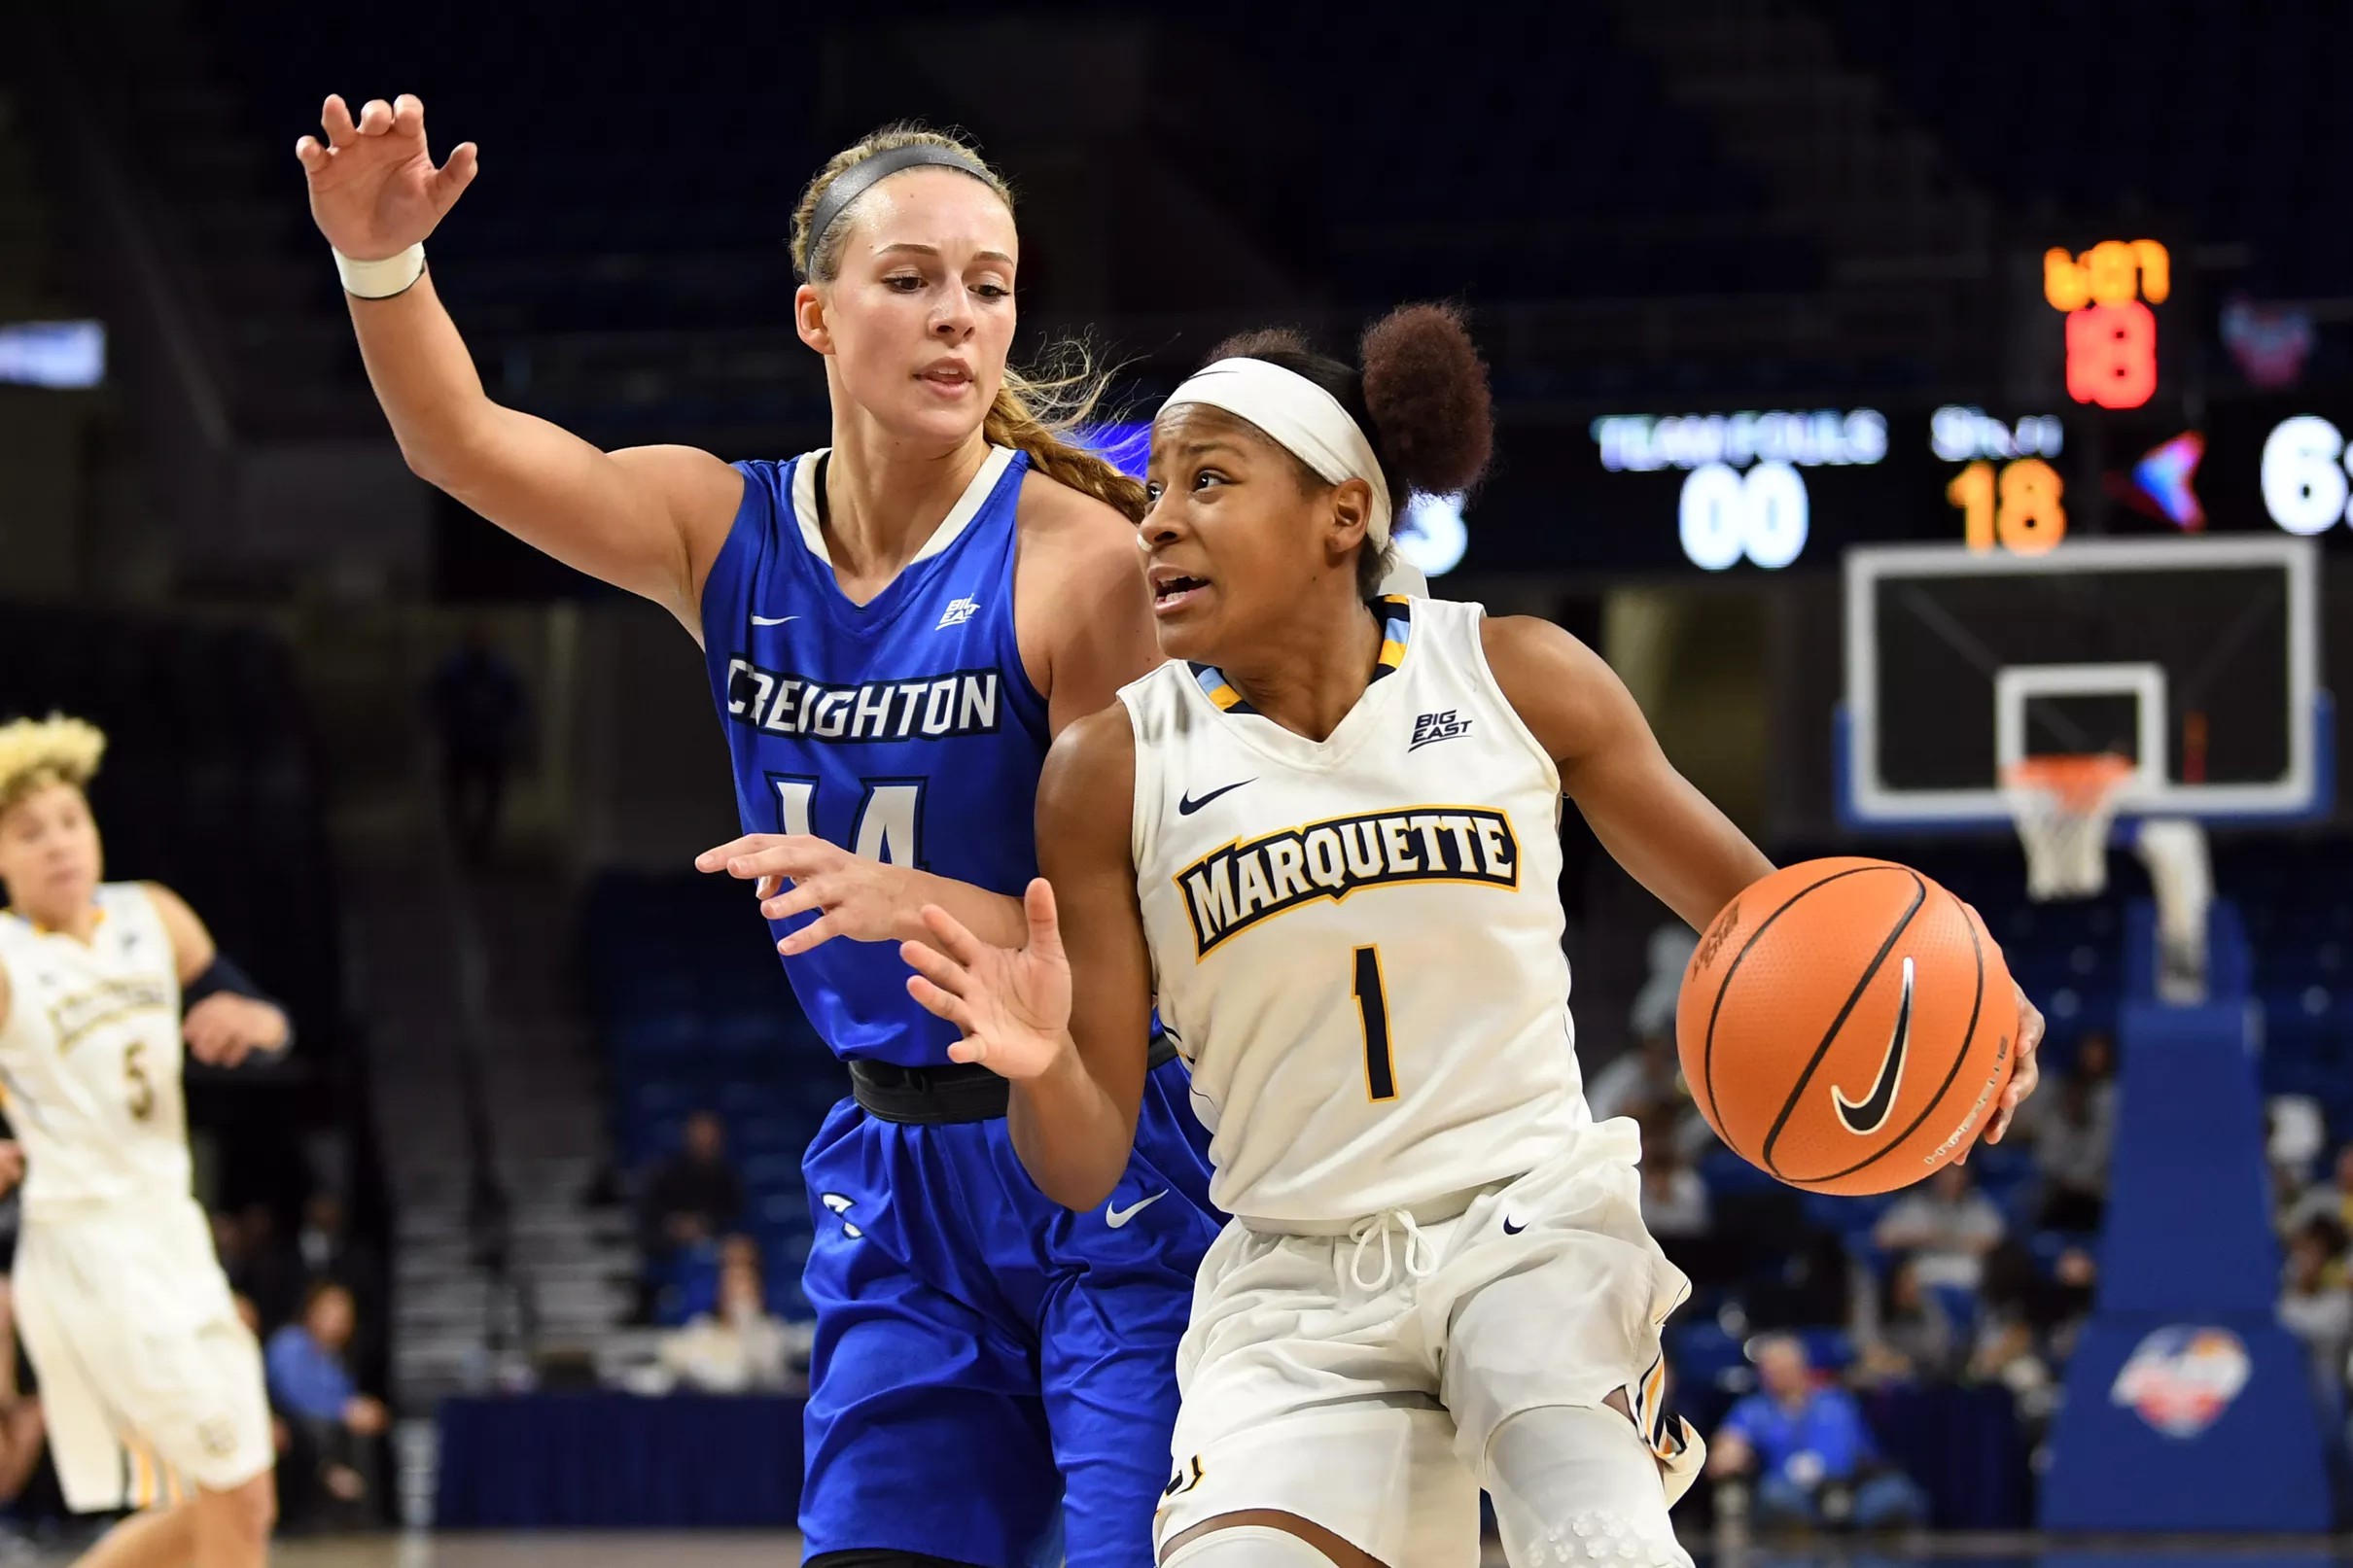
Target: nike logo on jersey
772, 621
1867, 1116
925, 706
1234, 888
957, 614
1187, 805
1430, 728
1509, 1229
1115, 1216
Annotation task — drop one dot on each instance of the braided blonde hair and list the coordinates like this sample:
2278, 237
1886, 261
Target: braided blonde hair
36, 752
1032, 412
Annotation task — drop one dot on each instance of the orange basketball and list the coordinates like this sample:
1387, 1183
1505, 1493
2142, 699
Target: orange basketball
1846, 1025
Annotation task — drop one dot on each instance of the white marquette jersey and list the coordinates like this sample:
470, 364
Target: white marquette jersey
1357, 941
90, 1058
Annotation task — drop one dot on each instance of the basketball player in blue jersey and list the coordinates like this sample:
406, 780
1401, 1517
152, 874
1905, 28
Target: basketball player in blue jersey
895, 627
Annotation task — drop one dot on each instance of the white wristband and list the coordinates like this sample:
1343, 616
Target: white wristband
382, 279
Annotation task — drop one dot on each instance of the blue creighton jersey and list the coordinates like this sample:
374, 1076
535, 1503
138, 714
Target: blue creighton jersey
904, 729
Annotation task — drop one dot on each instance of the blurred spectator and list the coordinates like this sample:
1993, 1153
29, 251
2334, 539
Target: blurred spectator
328, 1250
476, 701
2016, 1306
1674, 1201
696, 1194
1902, 1332
2073, 1279
1811, 1459
2095, 1065
740, 1345
1949, 1223
2072, 1143
2332, 1200
2314, 1303
337, 1428
2296, 1134
1648, 1078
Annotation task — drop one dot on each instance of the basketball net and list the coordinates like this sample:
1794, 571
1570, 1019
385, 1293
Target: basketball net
2064, 806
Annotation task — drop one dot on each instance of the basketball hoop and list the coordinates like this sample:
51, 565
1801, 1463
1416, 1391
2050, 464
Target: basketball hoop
2064, 806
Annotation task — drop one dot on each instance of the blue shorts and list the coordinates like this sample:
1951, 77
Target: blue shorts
990, 1365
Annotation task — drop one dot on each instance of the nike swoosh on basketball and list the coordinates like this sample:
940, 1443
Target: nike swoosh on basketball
1867, 1116
772, 621
1115, 1216
1187, 805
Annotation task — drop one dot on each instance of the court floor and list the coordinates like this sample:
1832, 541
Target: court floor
622, 1549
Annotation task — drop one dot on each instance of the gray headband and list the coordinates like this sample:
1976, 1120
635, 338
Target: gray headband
863, 176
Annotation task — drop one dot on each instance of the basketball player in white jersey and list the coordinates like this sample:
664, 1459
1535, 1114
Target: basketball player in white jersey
1325, 834
151, 1384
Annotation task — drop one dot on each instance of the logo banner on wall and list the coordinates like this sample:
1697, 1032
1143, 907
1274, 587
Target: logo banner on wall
2180, 1380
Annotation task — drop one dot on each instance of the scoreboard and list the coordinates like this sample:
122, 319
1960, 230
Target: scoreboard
1747, 492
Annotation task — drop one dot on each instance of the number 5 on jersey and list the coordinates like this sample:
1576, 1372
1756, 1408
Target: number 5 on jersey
890, 820
1372, 1006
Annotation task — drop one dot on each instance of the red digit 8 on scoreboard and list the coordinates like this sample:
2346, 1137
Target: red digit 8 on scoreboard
2112, 355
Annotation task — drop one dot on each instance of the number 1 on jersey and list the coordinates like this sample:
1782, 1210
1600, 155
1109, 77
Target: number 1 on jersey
1372, 1005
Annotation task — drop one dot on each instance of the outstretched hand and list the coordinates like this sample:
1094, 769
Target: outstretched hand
373, 189
1013, 1008
795, 873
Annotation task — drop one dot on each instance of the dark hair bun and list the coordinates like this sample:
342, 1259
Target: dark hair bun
1279, 345
1425, 388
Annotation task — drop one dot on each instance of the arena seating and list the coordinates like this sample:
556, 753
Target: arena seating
696, 1015
2229, 118
637, 182
207, 783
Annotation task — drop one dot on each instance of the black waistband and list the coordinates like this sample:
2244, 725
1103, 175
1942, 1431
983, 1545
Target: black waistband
956, 1092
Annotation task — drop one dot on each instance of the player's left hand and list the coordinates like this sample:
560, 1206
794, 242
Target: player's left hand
2026, 1072
861, 899
225, 1028
12, 1166
1013, 1008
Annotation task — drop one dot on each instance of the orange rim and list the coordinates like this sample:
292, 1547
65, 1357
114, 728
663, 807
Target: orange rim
2079, 783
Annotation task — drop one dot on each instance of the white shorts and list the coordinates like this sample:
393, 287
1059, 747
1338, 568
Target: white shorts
150, 1384
1368, 1411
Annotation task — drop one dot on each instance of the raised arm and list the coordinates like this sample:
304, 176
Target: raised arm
1671, 838
1076, 1065
650, 519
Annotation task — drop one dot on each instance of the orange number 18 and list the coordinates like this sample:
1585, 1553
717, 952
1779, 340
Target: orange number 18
2020, 510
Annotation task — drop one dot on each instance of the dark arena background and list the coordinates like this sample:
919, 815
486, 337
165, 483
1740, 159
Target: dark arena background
1937, 415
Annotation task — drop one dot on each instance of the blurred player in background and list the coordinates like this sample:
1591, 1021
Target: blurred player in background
895, 627
1438, 1278
151, 1384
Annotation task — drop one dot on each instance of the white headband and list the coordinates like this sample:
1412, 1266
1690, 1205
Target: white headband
1299, 416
